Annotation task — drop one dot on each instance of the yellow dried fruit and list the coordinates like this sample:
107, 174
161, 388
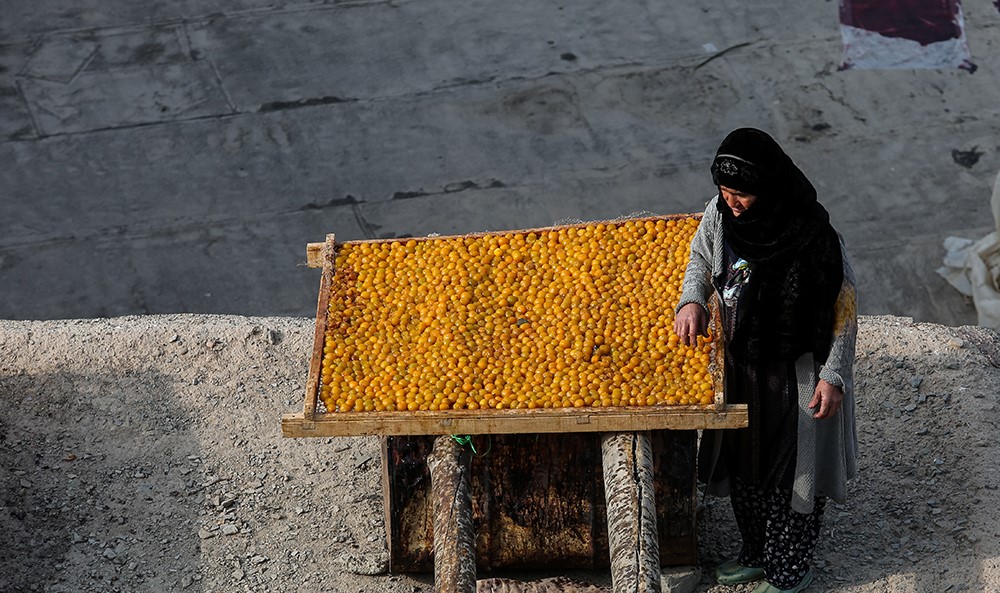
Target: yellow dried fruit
566, 317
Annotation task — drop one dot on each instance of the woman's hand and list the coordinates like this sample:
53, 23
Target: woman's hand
691, 322
828, 397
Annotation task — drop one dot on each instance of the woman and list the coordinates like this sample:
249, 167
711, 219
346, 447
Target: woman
766, 248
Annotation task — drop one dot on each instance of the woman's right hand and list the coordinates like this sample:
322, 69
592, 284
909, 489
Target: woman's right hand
691, 322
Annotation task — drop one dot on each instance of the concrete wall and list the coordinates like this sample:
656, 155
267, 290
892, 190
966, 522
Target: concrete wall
177, 156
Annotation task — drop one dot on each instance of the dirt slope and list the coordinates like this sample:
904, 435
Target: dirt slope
144, 454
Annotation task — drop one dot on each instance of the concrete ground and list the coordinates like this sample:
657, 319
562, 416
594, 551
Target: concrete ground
177, 156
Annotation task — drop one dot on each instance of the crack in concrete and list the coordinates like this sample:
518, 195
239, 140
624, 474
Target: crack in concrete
721, 53
222, 87
31, 115
368, 228
147, 124
347, 200
298, 103
450, 188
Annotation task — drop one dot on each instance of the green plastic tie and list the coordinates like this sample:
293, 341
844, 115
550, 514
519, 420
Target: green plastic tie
465, 440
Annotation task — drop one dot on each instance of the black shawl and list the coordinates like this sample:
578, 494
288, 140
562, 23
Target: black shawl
794, 252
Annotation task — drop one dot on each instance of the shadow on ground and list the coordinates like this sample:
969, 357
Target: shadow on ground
94, 466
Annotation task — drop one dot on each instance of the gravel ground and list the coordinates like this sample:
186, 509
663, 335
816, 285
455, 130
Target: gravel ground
127, 464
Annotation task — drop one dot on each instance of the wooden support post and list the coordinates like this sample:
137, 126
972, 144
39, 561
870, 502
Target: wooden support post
627, 458
454, 534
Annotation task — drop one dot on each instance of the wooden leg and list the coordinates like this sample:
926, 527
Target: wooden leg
627, 458
454, 534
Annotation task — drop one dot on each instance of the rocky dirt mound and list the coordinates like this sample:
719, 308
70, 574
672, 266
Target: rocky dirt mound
144, 454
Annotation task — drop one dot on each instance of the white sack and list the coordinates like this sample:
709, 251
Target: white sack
973, 267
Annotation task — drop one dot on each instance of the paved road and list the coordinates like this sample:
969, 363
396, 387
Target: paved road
177, 156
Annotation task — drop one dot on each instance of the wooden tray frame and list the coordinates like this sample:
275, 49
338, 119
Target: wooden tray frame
313, 423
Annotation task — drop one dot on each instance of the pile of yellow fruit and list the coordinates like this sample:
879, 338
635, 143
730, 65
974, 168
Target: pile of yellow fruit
563, 317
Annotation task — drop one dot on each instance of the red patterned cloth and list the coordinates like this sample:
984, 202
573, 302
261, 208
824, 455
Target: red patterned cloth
904, 34
923, 21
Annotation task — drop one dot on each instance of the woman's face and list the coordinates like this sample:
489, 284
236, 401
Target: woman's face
737, 201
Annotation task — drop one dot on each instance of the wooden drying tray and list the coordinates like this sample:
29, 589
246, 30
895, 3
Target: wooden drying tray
314, 423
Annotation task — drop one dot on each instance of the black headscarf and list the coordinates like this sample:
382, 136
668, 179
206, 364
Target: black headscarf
793, 250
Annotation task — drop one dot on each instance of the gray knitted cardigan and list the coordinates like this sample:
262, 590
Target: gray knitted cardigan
827, 449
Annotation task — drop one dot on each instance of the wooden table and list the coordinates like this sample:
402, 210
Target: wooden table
631, 461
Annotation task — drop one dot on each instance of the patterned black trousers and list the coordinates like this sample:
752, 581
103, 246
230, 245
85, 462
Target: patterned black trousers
775, 538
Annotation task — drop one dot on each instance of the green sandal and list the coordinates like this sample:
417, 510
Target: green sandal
734, 573
767, 587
